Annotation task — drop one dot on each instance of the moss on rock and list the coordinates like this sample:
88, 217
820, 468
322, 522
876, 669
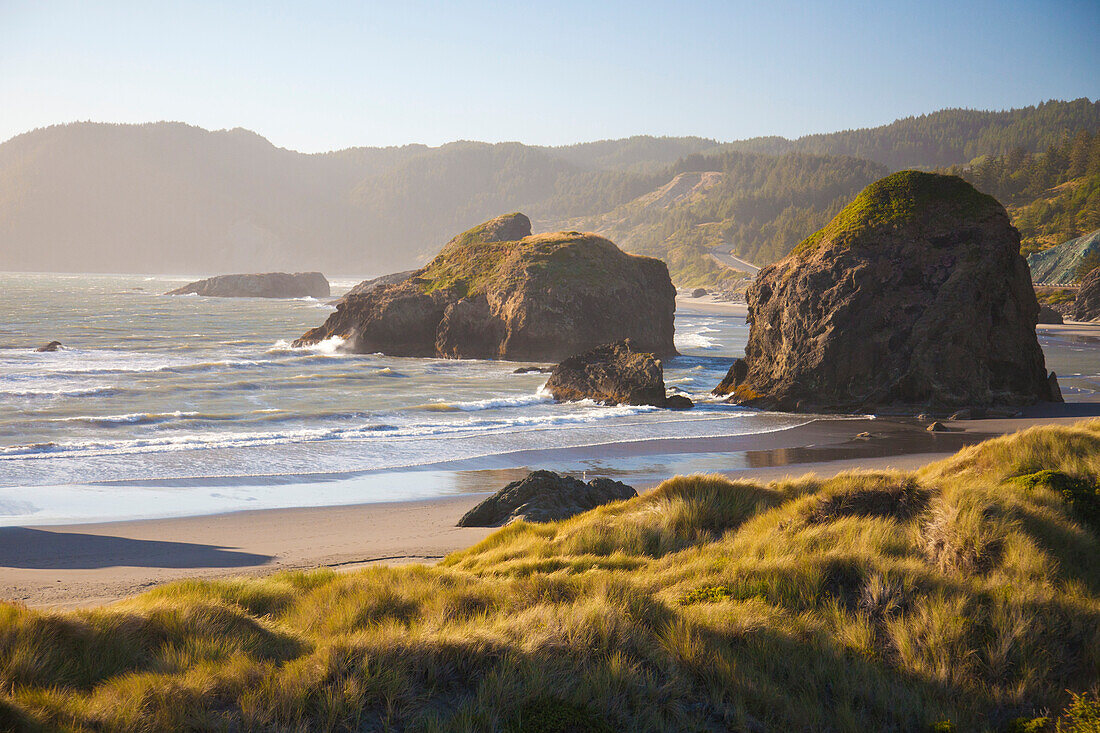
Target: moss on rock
899, 199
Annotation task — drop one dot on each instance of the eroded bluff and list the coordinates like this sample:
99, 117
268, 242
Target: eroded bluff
915, 295
497, 292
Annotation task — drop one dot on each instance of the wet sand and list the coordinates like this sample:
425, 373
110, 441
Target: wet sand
90, 564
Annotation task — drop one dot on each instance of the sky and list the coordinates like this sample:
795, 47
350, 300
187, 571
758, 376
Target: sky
316, 76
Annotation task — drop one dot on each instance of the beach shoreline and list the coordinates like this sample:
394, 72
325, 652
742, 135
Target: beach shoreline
72, 566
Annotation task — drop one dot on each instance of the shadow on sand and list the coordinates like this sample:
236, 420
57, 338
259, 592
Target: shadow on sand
40, 549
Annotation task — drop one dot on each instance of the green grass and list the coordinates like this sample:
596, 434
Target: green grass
470, 267
1055, 296
899, 199
965, 594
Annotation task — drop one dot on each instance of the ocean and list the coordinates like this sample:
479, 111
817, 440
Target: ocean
175, 405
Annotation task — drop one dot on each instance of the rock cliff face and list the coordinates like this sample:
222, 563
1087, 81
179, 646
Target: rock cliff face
1087, 306
496, 292
613, 374
265, 285
914, 296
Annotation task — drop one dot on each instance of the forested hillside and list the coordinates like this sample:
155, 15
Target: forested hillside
947, 137
168, 197
1053, 196
761, 205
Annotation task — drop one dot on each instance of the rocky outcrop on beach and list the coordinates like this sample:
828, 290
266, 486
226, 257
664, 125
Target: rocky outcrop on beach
544, 496
611, 374
497, 292
1049, 316
261, 285
1087, 306
915, 296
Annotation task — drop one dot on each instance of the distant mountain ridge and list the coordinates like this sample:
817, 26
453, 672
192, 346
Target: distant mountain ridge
170, 197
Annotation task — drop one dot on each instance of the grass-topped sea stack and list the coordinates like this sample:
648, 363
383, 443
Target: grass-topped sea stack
497, 292
914, 296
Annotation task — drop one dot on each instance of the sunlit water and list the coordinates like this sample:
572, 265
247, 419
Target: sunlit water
151, 388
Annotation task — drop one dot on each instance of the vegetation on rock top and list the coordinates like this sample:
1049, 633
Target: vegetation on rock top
959, 595
469, 266
900, 199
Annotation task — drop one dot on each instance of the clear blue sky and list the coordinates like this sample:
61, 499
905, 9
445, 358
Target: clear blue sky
323, 75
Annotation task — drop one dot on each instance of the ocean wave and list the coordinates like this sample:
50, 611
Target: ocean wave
64, 392
331, 345
366, 431
697, 339
132, 418
488, 404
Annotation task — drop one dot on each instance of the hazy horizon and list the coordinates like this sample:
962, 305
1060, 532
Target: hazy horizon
530, 143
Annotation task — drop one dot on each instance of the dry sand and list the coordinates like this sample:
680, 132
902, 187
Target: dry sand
89, 564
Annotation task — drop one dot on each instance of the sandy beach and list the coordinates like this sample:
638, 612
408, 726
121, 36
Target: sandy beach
89, 564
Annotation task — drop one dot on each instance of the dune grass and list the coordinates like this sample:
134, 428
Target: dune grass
963, 596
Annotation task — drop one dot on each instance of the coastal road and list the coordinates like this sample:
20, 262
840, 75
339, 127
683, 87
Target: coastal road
727, 259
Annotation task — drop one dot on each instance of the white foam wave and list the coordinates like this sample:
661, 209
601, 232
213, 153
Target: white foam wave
329, 346
696, 339
366, 431
132, 418
496, 403
62, 392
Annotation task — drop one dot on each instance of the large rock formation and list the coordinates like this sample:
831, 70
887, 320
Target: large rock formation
263, 285
1087, 306
496, 292
915, 295
613, 374
544, 496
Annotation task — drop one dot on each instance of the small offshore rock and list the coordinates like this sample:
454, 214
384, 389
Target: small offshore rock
261, 285
936, 427
544, 496
678, 402
533, 370
612, 374
863, 436
52, 346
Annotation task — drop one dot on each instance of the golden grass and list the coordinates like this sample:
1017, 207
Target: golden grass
954, 595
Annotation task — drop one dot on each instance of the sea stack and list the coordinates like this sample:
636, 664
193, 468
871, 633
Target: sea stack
497, 292
914, 296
